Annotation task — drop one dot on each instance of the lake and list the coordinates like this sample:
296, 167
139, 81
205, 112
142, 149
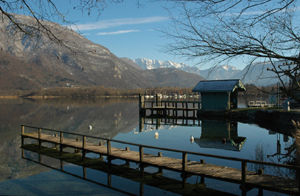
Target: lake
119, 119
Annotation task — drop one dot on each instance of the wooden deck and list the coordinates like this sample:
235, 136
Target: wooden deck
155, 179
243, 177
170, 108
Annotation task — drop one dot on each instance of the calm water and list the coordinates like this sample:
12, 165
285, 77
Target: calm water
120, 120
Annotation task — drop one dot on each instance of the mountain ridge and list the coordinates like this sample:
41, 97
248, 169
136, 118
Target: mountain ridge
77, 63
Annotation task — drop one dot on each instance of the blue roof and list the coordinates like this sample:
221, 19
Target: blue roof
219, 86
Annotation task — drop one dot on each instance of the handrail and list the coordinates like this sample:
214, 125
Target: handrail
173, 150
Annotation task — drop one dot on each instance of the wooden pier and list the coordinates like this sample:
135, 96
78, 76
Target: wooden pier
103, 146
169, 108
60, 159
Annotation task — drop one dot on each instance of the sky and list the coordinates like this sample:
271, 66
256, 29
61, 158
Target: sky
127, 29
132, 28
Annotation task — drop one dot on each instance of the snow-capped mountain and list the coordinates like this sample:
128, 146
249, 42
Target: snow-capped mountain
214, 73
256, 73
259, 74
220, 72
145, 63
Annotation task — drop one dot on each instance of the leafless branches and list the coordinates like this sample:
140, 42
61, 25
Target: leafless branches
45, 10
218, 30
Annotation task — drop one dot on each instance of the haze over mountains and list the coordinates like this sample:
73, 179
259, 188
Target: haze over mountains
252, 74
33, 62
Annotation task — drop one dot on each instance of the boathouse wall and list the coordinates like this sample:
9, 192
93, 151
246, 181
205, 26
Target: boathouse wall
215, 101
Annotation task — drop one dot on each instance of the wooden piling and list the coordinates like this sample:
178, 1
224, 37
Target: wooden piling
61, 139
184, 160
244, 170
39, 136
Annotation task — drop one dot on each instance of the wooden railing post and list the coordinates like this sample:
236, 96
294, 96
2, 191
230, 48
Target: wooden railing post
83, 146
22, 129
83, 142
244, 170
108, 144
61, 139
184, 161
22, 133
39, 136
141, 150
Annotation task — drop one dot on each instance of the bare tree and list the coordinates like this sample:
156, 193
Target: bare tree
45, 10
260, 30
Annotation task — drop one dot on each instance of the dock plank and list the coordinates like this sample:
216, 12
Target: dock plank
192, 167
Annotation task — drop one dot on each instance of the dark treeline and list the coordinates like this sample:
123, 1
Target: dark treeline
100, 91
90, 92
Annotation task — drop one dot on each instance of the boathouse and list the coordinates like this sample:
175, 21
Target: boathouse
219, 94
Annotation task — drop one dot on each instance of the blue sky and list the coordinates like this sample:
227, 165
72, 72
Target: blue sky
127, 29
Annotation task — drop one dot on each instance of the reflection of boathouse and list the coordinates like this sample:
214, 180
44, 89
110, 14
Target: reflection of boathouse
220, 135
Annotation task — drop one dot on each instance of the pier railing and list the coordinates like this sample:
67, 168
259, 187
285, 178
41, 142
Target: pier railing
169, 107
80, 142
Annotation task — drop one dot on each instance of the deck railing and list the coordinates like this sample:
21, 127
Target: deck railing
141, 147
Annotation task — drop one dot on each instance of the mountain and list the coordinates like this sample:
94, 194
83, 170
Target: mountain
213, 73
220, 72
33, 62
147, 64
256, 73
259, 75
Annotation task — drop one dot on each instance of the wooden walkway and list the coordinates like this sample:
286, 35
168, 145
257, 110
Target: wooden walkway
155, 179
170, 108
243, 177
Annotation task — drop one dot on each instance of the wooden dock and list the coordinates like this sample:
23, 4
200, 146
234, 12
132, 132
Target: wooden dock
102, 146
168, 108
155, 179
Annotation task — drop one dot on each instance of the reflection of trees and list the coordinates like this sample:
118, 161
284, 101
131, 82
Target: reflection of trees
286, 155
107, 117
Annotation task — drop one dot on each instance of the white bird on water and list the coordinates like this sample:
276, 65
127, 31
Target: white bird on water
90, 127
192, 139
156, 135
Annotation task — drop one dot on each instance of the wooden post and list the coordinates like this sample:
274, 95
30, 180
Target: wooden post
22, 129
141, 188
109, 179
108, 144
184, 160
141, 150
244, 170
61, 139
61, 165
202, 180
83, 146
39, 136
84, 172
22, 133
187, 109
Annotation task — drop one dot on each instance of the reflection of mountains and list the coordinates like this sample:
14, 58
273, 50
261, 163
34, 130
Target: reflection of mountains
107, 117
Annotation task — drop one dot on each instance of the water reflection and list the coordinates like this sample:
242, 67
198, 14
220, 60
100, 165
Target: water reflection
220, 135
119, 119
98, 171
107, 117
